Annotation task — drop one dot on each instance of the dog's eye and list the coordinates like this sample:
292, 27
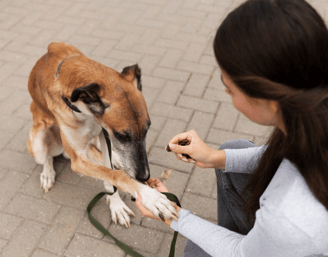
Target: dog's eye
122, 136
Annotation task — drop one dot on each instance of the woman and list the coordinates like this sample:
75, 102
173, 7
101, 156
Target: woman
272, 200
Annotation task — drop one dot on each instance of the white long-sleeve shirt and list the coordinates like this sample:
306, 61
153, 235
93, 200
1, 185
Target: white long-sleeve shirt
290, 222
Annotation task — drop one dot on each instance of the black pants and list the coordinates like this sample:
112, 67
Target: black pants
230, 201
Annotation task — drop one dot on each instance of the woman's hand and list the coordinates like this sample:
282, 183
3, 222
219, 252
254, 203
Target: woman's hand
156, 183
202, 155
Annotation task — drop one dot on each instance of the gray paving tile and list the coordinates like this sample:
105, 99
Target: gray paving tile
8, 225
59, 234
203, 207
25, 239
137, 237
32, 208
202, 182
9, 185
82, 245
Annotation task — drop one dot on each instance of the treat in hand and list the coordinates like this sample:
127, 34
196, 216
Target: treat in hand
182, 142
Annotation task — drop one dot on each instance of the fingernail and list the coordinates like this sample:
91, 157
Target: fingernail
180, 155
184, 159
171, 146
192, 161
161, 216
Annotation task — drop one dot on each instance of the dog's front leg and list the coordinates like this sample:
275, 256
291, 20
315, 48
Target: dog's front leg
119, 210
156, 202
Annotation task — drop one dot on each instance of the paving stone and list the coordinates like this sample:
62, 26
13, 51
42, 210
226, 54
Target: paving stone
203, 207
3, 172
172, 74
170, 111
103, 48
19, 142
150, 95
137, 237
196, 85
84, 246
31, 186
170, 92
32, 208
216, 82
42, 253
9, 185
59, 234
17, 161
149, 81
151, 138
171, 58
261, 140
2, 243
226, 117
5, 139
201, 182
71, 195
218, 136
166, 245
201, 123
101, 213
157, 122
217, 95
149, 63
198, 104
160, 157
246, 126
193, 52
170, 129
25, 239
195, 67
8, 225
92, 183
68, 176
149, 50
175, 44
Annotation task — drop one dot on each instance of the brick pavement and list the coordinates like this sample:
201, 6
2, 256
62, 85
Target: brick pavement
172, 42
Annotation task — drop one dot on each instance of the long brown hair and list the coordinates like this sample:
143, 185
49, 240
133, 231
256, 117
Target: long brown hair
278, 50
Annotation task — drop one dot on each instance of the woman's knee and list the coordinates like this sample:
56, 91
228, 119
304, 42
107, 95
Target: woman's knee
237, 144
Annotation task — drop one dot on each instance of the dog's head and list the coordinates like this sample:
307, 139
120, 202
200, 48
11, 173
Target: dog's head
118, 106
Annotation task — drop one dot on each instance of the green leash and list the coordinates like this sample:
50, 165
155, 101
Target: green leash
124, 247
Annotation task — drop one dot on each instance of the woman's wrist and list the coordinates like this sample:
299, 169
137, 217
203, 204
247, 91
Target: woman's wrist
218, 159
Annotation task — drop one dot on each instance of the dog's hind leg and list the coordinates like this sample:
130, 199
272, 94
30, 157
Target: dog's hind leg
43, 144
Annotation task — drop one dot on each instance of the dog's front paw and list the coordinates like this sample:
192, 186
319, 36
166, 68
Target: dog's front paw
157, 203
47, 179
119, 211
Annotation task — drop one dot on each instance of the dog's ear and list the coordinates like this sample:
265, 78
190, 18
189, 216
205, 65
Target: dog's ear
89, 95
133, 74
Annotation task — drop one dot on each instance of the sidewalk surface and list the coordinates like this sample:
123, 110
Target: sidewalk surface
171, 40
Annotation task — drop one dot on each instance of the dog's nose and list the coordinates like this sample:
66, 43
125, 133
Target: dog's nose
143, 177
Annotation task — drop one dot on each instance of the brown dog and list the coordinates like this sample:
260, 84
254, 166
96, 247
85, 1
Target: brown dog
74, 98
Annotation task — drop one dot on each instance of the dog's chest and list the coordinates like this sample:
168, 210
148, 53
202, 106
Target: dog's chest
90, 128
